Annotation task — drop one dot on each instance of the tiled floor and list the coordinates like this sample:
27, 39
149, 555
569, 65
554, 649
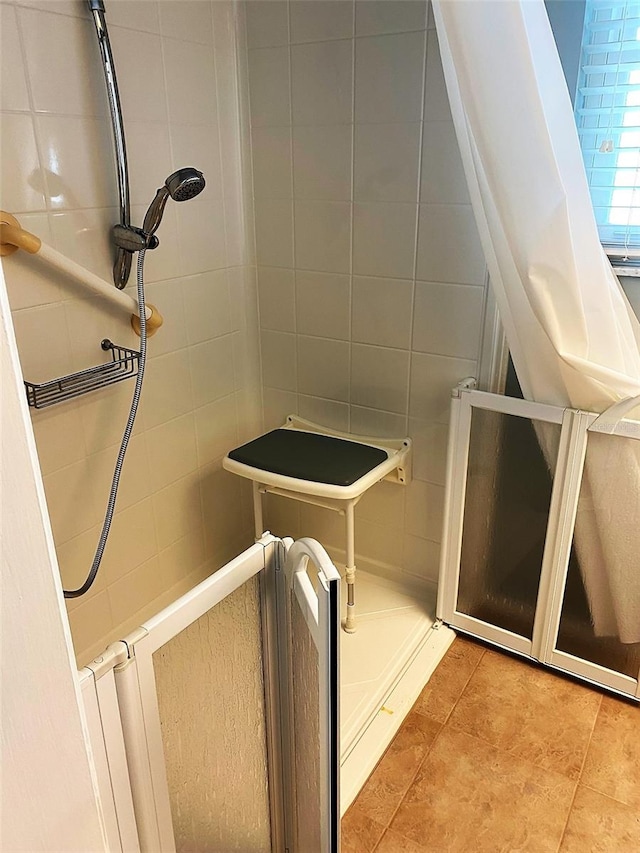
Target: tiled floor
498, 755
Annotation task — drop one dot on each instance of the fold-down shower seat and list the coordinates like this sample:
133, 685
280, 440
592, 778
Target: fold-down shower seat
309, 463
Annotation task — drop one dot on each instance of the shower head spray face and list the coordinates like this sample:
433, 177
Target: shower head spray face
181, 186
185, 184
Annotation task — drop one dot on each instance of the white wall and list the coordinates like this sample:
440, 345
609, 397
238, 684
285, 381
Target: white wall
48, 798
178, 514
371, 275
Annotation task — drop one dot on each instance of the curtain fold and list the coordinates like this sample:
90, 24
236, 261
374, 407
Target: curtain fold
573, 337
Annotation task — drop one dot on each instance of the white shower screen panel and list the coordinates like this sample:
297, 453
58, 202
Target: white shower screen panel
210, 689
306, 732
192, 700
497, 516
229, 701
582, 632
309, 602
505, 521
512, 565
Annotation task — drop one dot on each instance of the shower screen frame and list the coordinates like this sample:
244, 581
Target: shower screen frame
121, 684
104, 729
565, 492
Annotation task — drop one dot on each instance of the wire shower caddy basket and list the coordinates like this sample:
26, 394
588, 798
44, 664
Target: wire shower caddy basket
124, 364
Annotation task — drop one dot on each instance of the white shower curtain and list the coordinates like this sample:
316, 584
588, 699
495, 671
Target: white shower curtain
573, 337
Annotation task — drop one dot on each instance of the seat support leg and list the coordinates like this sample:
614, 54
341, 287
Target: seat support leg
350, 621
257, 510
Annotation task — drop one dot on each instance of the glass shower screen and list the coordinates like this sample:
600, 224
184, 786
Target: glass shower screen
600, 593
541, 545
229, 700
508, 494
210, 690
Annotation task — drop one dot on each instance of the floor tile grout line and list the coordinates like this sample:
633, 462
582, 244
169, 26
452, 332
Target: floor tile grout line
466, 684
451, 727
428, 750
502, 749
569, 810
593, 728
606, 796
579, 779
435, 739
515, 755
413, 779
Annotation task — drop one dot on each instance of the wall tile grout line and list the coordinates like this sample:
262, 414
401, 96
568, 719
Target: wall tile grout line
294, 246
352, 203
417, 223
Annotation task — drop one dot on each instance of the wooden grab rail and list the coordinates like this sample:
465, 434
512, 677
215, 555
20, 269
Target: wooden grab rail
13, 237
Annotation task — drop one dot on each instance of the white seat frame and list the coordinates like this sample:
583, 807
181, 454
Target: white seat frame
396, 468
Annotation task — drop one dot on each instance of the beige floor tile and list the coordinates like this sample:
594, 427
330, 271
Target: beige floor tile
529, 712
501, 774
612, 765
389, 782
598, 824
470, 796
448, 681
359, 834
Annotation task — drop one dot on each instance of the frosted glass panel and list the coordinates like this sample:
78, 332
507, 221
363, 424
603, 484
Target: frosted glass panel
602, 597
211, 700
505, 520
306, 734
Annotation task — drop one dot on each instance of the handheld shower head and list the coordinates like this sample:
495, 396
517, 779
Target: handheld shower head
185, 184
181, 186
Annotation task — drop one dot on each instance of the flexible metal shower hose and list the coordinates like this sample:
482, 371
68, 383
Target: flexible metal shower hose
115, 482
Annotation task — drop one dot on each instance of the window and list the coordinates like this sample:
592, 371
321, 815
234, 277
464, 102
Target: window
607, 112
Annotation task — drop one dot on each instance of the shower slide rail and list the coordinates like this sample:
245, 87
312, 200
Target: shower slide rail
538, 619
123, 259
13, 237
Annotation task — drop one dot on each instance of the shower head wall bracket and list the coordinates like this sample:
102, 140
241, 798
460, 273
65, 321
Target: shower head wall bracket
133, 239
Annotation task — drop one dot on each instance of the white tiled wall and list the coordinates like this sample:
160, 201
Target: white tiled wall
178, 515
367, 302
370, 273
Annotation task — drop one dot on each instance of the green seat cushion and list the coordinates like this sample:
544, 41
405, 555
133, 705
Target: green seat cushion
309, 456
